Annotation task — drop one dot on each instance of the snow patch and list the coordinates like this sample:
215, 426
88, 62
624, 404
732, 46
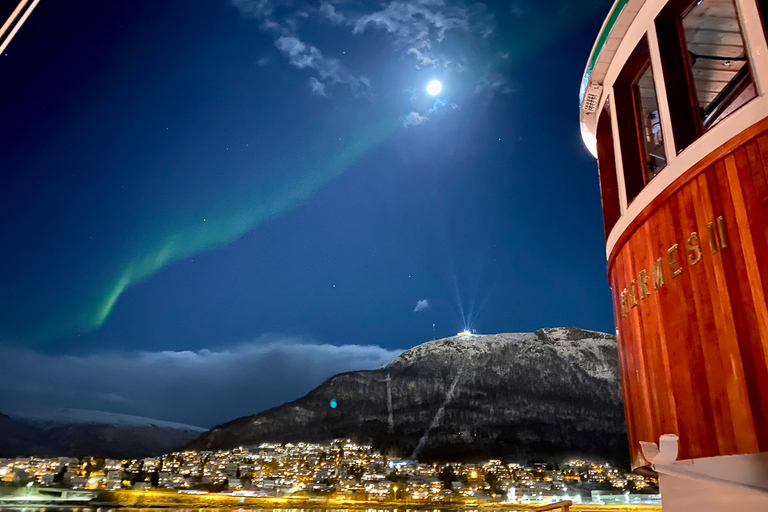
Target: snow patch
586, 349
589, 350
82, 416
463, 346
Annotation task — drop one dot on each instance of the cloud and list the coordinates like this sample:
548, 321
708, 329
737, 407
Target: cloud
202, 387
419, 25
255, 8
429, 33
421, 305
317, 87
111, 397
441, 105
329, 12
416, 21
330, 70
491, 84
519, 9
300, 54
425, 58
413, 119
260, 9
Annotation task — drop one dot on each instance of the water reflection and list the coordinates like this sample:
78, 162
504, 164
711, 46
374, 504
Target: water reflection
174, 509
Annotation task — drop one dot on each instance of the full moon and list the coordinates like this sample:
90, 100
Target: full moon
434, 87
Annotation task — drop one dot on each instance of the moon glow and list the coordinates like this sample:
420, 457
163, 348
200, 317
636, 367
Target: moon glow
434, 87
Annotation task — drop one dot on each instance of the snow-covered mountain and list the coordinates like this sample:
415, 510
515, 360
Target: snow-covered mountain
51, 417
546, 395
78, 432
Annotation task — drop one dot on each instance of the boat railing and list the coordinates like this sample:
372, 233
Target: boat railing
564, 505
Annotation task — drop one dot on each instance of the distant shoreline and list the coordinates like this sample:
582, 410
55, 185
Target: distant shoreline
165, 499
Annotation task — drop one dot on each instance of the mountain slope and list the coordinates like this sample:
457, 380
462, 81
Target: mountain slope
52, 417
15, 435
545, 395
77, 433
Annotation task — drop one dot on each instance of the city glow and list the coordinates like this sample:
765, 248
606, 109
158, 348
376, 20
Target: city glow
301, 473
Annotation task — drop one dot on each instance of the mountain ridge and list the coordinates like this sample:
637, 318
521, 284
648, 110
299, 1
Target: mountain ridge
43, 417
551, 393
79, 432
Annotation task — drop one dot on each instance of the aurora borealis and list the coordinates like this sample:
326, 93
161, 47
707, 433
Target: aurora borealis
179, 178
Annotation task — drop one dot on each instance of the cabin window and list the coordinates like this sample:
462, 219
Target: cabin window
654, 156
640, 135
606, 165
705, 65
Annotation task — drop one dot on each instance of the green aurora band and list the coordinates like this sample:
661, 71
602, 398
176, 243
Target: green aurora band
292, 185
231, 225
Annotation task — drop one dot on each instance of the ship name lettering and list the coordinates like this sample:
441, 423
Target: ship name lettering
638, 288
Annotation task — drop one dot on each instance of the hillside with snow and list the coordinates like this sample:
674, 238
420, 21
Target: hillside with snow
78, 432
51, 417
547, 395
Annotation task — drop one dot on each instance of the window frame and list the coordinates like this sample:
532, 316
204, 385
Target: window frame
608, 169
753, 16
630, 121
755, 33
680, 85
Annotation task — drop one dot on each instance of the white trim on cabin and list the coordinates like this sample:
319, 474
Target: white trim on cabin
642, 23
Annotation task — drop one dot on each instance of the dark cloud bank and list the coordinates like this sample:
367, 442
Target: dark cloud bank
201, 388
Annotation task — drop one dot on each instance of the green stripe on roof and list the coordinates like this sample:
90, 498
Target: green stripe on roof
602, 38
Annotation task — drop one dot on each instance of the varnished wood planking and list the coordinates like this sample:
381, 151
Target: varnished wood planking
751, 176
694, 354
705, 366
731, 391
634, 395
656, 327
651, 352
749, 134
738, 257
757, 371
627, 387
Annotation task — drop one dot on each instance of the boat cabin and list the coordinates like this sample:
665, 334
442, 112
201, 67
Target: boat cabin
674, 106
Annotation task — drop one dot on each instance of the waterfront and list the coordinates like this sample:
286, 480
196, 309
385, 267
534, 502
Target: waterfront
423, 508
336, 472
106, 501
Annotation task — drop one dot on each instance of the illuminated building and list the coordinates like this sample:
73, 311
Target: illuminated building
674, 105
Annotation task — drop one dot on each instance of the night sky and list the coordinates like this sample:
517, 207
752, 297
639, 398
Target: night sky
210, 207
